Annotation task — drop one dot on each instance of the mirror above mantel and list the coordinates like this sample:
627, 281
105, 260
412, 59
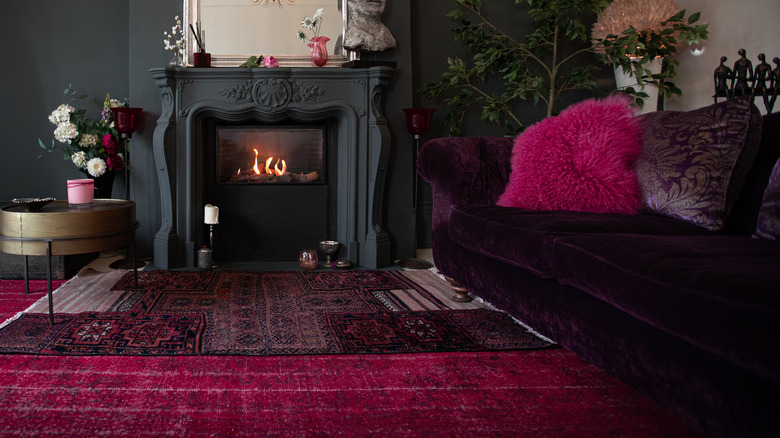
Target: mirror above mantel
234, 30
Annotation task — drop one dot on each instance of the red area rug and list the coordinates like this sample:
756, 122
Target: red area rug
13, 299
266, 313
539, 393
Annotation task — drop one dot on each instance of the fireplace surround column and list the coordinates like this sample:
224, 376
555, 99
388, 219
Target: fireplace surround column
350, 98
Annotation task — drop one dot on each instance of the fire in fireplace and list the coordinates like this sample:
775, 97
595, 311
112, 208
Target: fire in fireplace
274, 184
271, 155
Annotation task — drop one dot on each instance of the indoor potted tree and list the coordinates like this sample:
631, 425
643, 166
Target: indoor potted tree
640, 39
539, 67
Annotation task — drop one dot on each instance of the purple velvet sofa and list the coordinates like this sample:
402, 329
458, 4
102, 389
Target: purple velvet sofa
684, 315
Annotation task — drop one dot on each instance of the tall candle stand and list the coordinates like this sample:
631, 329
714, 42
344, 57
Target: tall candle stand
211, 236
125, 123
418, 123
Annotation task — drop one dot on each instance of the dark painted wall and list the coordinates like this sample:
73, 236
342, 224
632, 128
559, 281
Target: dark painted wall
48, 44
109, 46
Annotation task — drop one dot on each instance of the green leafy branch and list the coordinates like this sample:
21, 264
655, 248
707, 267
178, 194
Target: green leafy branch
633, 49
532, 69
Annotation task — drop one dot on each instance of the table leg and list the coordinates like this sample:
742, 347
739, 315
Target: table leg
26, 275
48, 278
135, 265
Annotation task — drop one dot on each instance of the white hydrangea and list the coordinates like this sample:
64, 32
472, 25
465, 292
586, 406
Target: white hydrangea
65, 132
318, 14
88, 140
115, 103
61, 114
96, 167
79, 159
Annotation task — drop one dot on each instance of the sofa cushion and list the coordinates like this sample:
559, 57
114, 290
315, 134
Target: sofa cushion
744, 215
580, 160
694, 164
720, 293
768, 224
524, 238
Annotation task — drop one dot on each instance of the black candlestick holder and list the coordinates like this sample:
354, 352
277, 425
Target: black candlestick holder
418, 123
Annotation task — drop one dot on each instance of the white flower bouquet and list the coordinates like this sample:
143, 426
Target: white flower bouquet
92, 145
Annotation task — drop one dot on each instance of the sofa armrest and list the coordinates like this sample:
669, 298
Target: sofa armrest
466, 170
462, 170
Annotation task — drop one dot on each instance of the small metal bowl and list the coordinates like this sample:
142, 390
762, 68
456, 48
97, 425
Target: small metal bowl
32, 204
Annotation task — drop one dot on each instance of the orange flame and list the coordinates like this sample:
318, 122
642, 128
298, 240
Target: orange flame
256, 169
275, 170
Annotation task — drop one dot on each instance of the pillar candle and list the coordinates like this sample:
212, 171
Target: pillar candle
211, 214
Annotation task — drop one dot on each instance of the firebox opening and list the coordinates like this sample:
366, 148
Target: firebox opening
268, 215
271, 155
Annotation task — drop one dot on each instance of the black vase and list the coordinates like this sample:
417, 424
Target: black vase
104, 184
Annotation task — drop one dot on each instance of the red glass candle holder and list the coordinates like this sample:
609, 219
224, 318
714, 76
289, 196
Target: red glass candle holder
418, 120
125, 120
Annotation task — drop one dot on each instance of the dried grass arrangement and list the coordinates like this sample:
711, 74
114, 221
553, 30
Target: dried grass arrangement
631, 34
642, 15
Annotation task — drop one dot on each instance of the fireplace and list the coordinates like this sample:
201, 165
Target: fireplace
274, 186
322, 148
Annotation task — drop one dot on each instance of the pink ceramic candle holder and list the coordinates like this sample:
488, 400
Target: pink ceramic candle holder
81, 191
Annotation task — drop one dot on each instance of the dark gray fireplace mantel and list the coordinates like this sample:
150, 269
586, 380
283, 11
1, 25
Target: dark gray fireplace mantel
351, 97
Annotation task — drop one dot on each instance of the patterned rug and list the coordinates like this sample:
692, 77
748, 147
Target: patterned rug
268, 313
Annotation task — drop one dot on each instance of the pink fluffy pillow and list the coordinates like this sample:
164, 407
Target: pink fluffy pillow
580, 160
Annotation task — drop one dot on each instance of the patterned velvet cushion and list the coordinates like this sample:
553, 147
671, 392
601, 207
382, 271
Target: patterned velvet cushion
694, 163
768, 226
581, 160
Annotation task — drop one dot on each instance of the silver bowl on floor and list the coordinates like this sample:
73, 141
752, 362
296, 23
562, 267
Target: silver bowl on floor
329, 247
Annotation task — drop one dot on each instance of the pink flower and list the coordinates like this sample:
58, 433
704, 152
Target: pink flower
115, 162
270, 62
109, 144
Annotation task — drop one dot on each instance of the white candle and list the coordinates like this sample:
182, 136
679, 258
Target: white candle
211, 214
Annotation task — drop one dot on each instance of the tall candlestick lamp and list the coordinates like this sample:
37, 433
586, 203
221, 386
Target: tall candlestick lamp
418, 123
126, 122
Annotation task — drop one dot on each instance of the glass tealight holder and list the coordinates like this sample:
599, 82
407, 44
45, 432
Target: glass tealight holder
308, 259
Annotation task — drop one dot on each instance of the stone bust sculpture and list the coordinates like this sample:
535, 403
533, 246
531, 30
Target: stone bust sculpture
365, 31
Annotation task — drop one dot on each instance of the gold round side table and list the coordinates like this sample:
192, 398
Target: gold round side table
59, 229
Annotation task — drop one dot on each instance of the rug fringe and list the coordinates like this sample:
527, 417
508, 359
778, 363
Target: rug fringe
39, 300
11, 319
436, 272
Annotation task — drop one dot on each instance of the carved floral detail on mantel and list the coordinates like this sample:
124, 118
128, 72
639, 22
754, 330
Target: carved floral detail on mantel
240, 92
182, 84
272, 94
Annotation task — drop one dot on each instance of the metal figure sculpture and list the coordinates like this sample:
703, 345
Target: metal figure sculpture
774, 84
721, 76
761, 77
743, 72
764, 81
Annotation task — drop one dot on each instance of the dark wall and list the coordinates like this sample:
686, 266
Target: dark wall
48, 44
148, 19
109, 46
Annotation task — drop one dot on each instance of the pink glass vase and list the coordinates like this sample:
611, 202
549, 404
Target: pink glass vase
319, 53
